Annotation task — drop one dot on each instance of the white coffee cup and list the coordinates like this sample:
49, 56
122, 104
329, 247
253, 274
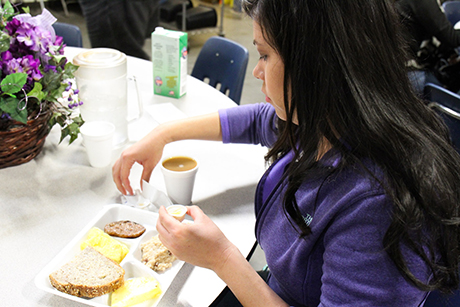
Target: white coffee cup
98, 140
179, 174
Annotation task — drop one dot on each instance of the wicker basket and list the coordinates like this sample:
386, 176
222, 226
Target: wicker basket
22, 143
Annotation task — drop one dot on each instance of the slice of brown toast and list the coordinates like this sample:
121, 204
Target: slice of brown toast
89, 274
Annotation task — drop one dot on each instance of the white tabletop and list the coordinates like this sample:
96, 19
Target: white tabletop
45, 203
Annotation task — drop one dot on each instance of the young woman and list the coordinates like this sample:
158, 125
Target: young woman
360, 206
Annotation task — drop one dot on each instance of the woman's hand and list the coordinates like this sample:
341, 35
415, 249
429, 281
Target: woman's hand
203, 244
147, 152
200, 243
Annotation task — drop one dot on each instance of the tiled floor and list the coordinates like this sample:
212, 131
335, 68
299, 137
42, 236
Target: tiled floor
236, 27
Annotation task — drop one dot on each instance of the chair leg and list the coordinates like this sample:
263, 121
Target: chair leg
64, 6
42, 4
221, 23
184, 16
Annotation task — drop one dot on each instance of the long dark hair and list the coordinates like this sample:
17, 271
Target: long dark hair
344, 67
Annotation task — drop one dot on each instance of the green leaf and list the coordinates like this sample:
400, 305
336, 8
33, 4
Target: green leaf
14, 108
51, 81
60, 119
52, 121
70, 69
8, 10
78, 120
4, 41
64, 132
13, 83
56, 93
37, 92
74, 129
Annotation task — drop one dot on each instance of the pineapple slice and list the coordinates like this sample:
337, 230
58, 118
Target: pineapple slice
135, 291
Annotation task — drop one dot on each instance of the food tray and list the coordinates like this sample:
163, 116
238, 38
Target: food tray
131, 263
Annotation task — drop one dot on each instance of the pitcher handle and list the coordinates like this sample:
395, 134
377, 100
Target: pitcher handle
139, 100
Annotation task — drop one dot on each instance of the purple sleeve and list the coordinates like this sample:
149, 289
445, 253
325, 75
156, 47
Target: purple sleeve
249, 124
356, 269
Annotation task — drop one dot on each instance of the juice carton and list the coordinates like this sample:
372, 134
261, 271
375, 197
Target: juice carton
169, 58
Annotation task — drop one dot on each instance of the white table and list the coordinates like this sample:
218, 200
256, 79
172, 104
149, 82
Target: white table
46, 202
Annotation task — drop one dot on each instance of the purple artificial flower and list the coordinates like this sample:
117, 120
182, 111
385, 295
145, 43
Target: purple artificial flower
27, 64
43, 21
43, 40
32, 67
12, 26
6, 56
26, 35
12, 66
5, 116
49, 68
59, 40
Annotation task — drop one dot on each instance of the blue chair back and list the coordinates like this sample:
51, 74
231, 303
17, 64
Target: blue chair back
224, 63
436, 299
71, 34
447, 105
452, 11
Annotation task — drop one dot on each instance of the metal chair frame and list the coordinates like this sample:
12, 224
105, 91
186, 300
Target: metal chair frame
444, 109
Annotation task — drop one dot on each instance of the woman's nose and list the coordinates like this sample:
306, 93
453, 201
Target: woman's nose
258, 72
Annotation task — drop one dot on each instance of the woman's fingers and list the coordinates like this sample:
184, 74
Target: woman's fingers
120, 177
195, 212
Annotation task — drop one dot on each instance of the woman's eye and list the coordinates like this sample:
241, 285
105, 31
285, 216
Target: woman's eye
263, 57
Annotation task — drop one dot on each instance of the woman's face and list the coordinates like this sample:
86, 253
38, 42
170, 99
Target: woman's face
269, 69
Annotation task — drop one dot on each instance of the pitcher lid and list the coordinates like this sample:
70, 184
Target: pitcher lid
100, 57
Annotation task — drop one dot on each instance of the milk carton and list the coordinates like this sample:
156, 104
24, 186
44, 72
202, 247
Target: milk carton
169, 58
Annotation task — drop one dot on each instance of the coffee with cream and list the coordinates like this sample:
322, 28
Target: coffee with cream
179, 164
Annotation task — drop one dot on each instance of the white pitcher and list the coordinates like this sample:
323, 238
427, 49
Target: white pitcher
103, 84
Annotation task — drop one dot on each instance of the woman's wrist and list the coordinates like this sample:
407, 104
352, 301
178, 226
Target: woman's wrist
164, 133
245, 283
231, 258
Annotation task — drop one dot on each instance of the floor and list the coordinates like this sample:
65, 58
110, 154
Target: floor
236, 27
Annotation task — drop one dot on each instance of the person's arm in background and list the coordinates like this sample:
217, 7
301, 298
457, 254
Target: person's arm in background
435, 22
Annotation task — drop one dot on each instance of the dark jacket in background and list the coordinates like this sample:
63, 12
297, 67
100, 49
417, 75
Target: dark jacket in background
121, 24
423, 20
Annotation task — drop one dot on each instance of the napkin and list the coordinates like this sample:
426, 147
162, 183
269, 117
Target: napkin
164, 112
149, 198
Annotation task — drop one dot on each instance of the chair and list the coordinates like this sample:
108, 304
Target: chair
224, 63
452, 11
192, 19
436, 299
71, 34
447, 105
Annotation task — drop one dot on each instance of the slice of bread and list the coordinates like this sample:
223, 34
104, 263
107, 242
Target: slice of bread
89, 274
